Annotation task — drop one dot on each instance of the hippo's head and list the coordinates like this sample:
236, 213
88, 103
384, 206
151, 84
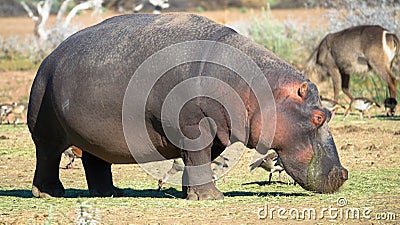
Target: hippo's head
303, 140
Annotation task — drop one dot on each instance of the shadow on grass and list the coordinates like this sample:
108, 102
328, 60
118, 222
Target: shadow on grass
384, 117
264, 183
262, 194
77, 193
16, 193
147, 193
153, 193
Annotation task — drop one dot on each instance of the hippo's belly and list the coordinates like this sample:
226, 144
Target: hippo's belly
91, 113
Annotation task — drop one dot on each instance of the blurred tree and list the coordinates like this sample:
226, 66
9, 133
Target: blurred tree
185, 5
61, 28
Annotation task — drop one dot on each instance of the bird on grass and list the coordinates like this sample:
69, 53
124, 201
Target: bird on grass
19, 110
390, 105
217, 166
5, 111
177, 166
271, 163
331, 105
362, 105
72, 153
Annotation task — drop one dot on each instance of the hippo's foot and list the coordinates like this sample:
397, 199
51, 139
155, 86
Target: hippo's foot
99, 177
202, 192
56, 191
109, 192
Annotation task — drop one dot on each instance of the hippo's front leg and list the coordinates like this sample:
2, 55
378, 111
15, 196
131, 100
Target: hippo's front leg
99, 176
197, 181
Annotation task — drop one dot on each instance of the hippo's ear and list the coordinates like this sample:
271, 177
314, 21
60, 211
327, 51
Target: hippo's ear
318, 117
303, 89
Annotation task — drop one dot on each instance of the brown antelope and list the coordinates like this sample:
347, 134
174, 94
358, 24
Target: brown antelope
355, 50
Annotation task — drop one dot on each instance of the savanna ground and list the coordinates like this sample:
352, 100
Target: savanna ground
369, 149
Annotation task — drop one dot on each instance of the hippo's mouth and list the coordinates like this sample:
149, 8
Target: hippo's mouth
324, 180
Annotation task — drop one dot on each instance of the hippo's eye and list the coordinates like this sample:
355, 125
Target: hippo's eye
318, 117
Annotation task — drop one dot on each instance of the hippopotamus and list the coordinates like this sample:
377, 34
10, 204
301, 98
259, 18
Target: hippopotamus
89, 93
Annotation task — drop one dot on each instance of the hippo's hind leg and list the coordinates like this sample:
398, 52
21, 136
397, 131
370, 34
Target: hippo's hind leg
49, 147
46, 182
99, 177
50, 141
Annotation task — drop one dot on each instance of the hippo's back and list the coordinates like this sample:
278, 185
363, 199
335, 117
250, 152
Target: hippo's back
140, 35
83, 81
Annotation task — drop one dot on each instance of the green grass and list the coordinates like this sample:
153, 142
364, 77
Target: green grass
17, 65
364, 189
377, 189
370, 85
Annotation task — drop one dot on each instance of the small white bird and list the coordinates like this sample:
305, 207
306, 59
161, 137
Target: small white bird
362, 105
271, 163
217, 166
5, 111
20, 111
331, 105
177, 166
72, 153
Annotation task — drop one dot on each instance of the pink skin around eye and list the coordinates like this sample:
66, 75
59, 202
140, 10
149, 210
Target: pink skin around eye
318, 118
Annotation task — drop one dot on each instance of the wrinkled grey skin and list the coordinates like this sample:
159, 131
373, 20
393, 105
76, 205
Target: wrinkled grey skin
76, 99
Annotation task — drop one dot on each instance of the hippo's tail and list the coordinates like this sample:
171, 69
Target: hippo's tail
36, 96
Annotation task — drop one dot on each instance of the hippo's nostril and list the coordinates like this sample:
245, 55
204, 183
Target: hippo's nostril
344, 174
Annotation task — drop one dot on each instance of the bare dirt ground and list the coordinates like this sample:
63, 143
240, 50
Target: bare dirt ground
363, 146
16, 86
